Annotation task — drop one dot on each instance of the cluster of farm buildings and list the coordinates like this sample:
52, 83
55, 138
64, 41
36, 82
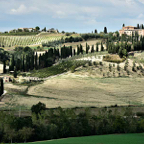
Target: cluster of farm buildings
131, 30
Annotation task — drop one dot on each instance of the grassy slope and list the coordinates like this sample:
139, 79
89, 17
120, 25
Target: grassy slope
103, 139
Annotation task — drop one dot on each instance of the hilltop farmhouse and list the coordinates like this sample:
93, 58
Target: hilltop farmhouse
129, 30
27, 29
23, 30
52, 30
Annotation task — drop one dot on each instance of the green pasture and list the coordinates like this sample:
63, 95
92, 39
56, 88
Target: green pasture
103, 139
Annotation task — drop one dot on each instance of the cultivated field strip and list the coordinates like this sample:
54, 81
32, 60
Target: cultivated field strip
9, 41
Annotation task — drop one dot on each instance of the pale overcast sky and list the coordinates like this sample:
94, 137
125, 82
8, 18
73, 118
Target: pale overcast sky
71, 15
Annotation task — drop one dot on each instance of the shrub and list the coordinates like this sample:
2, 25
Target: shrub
110, 67
140, 113
101, 63
90, 63
113, 58
118, 67
38, 108
72, 69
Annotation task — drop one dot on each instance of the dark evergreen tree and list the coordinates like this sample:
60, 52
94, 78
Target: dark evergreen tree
74, 53
81, 49
92, 49
12, 64
2, 87
36, 65
15, 72
123, 25
4, 67
138, 26
87, 48
107, 43
97, 47
71, 51
78, 50
96, 31
102, 48
105, 30
40, 61
23, 65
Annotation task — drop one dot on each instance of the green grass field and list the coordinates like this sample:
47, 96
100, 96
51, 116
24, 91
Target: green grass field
103, 139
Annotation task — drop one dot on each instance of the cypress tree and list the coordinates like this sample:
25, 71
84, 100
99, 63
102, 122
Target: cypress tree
33, 61
107, 43
23, 65
105, 30
78, 50
97, 49
15, 72
102, 48
4, 67
87, 48
74, 52
71, 51
36, 61
96, 31
138, 26
40, 61
92, 49
81, 49
12, 64
2, 87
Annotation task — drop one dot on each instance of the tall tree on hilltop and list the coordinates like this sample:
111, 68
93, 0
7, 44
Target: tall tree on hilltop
138, 26
105, 30
37, 28
96, 31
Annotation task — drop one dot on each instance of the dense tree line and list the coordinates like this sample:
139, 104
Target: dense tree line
25, 59
57, 43
122, 48
60, 123
91, 35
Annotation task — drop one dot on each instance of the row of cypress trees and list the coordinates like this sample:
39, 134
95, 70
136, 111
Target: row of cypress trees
33, 61
27, 62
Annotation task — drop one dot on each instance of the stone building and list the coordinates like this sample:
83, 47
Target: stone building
129, 30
